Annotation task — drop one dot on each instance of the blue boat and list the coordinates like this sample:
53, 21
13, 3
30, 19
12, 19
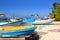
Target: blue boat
29, 20
19, 30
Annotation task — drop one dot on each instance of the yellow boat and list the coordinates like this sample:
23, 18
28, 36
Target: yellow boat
15, 27
16, 30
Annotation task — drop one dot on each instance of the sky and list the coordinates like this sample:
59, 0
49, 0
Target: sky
22, 8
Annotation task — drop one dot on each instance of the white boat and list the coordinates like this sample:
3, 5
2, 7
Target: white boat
5, 20
49, 21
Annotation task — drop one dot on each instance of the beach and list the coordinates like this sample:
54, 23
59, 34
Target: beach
49, 32
45, 32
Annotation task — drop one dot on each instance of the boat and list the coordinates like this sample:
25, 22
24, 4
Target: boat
4, 20
28, 20
48, 21
8, 31
45, 20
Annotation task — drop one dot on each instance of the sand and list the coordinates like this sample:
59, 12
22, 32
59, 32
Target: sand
49, 32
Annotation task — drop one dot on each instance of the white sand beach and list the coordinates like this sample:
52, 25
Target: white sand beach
49, 32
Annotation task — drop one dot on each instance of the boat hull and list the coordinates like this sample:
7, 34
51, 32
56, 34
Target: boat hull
49, 21
8, 33
30, 20
10, 23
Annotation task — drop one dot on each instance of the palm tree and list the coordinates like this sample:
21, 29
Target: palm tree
55, 5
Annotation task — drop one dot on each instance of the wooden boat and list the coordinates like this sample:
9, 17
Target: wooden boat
49, 21
7, 31
11, 22
29, 20
5, 20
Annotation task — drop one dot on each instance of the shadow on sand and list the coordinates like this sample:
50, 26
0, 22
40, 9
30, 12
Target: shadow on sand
47, 24
40, 34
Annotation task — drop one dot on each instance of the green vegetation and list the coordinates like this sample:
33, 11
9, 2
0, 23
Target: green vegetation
55, 12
